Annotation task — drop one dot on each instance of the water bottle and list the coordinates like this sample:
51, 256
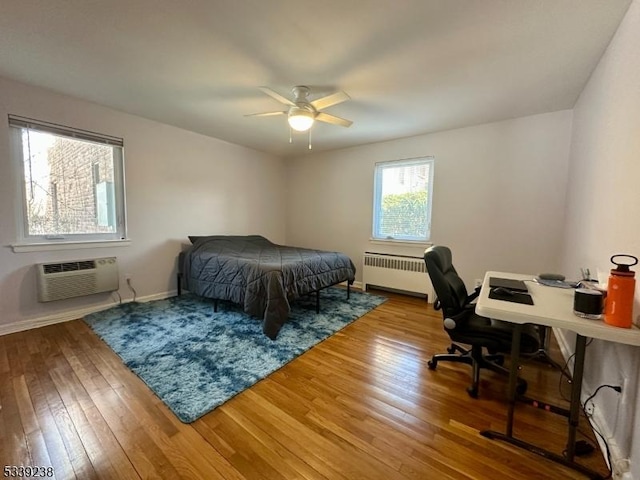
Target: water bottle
620, 292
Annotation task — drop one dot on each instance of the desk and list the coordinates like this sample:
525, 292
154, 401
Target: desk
553, 307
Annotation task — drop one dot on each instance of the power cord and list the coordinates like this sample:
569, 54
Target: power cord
617, 388
606, 447
589, 413
132, 289
584, 447
119, 296
565, 373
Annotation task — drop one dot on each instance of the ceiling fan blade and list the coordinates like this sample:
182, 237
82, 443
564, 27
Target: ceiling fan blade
325, 117
265, 114
330, 100
277, 96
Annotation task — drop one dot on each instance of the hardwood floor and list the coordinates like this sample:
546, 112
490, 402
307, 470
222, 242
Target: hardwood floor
361, 405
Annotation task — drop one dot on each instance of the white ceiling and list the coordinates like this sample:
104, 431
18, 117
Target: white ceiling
410, 67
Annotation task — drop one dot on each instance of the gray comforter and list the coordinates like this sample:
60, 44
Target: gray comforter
259, 275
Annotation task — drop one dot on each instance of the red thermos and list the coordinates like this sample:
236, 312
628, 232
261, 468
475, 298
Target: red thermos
620, 291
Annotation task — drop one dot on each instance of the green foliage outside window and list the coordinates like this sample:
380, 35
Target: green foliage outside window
404, 214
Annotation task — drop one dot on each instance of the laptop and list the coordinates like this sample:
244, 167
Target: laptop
509, 283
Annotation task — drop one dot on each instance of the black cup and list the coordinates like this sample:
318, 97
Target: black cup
588, 303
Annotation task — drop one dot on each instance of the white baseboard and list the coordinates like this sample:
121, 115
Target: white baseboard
75, 314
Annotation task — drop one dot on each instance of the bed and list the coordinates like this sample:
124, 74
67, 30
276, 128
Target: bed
259, 275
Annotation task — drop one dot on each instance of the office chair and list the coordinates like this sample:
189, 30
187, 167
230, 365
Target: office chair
463, 325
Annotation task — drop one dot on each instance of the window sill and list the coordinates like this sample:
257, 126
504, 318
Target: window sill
403, 243
43, 247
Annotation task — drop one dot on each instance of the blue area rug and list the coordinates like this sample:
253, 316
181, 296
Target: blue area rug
195, 359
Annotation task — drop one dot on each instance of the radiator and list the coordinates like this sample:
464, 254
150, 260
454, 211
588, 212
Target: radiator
397, 272
60, 280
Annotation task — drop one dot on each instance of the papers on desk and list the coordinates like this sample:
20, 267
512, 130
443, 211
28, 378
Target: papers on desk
556, 283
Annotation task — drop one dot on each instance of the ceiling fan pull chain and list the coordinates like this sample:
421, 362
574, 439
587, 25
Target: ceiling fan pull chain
290, 135
309, 138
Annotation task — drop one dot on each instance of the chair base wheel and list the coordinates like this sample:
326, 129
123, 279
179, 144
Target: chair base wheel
432, 364
473, 392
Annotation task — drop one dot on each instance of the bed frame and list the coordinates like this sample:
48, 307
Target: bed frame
215, 300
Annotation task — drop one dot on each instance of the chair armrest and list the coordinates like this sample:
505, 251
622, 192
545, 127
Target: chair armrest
456, 321
474, 295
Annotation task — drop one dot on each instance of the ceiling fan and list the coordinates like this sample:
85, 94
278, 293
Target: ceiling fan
302, 113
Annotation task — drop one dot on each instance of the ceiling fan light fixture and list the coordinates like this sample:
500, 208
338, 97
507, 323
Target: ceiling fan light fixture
300, 119
302, 113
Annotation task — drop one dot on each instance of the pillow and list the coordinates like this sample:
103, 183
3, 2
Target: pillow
195, 238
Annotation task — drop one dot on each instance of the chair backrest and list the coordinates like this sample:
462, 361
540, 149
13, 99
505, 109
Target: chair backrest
448, 285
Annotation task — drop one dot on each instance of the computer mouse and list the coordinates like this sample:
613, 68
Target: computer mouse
504, 292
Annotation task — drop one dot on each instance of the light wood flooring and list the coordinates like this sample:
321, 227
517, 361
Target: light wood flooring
361, 405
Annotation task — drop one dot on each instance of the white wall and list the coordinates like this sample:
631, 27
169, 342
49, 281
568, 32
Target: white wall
603, 215
178, 183
498, 201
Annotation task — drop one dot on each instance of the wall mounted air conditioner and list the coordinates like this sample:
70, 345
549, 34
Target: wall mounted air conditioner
60, 280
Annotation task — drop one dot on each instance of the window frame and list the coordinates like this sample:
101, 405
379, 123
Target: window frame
377, 198
30, 242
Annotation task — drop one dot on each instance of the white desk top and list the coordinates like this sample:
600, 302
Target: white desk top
552, 307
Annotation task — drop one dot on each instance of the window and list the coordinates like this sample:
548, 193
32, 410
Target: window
72, 183
402, 200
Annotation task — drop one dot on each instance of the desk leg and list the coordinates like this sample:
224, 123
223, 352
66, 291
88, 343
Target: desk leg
513, 375
576, 389
574, 412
